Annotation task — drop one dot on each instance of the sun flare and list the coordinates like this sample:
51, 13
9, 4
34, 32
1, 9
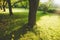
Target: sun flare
57, 2
43, 1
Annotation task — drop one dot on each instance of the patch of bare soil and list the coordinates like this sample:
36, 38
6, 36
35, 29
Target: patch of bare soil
57, 12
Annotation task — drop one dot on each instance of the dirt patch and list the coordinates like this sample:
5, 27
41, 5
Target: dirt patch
57, 12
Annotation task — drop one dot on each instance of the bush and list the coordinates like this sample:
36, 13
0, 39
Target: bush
43, 7
51, 10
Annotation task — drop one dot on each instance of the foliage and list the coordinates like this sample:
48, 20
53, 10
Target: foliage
51, 10
43, 7
20, 4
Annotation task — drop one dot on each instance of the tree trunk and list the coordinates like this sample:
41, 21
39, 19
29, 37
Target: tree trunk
33, 5
10, 8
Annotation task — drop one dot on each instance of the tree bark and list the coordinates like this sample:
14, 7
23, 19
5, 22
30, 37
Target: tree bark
33, 5
10, 8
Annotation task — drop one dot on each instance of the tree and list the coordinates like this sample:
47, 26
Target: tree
1, 4
4, 5
23, 3
10, 7
33, 5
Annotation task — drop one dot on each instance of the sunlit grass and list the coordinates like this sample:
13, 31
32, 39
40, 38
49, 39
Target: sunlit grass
15, 10
29, 36
49, 27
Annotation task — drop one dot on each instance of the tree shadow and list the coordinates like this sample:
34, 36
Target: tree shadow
11, 22
18, 33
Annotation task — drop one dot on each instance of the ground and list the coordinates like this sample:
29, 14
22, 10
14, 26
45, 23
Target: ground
47, 25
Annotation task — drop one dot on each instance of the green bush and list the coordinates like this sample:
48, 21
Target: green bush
51, 10
43, 7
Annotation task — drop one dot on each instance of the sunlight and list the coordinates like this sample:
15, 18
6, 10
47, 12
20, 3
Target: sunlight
43, 1
49, 22
49, 25
57, 2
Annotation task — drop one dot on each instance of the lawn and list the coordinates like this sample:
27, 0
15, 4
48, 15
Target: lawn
47, 26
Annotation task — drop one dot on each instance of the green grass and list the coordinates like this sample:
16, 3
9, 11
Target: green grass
12, 23
47, 26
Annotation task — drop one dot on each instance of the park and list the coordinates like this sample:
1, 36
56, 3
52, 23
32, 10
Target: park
29, 20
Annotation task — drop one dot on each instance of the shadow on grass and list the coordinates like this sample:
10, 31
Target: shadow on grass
12, 27
17, 33
9, 24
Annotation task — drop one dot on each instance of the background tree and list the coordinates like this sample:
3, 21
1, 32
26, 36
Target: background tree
4, 5
20, 4
1, 4
33, 5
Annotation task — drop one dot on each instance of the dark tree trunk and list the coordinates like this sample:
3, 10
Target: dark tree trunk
10, 8
33, 5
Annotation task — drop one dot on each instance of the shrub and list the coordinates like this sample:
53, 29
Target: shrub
51, 10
